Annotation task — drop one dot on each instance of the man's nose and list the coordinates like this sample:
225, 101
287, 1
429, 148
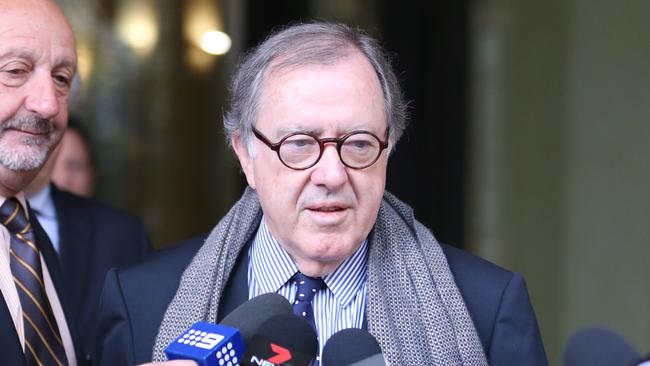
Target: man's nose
330, 170
42, 97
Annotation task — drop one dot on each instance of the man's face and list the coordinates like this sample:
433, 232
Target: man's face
322, 214
37, 64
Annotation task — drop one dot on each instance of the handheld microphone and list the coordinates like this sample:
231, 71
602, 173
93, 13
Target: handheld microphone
597, 346
223, 345
352, 347
249, 316
285, 339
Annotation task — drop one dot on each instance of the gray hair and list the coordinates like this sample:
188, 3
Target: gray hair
305, 44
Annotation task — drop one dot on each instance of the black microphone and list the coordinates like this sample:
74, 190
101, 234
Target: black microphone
225, 344
285, 339
352, 347
597, 346
249, 316
272, 333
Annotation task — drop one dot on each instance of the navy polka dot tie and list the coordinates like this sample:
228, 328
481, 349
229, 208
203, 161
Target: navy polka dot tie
307, 288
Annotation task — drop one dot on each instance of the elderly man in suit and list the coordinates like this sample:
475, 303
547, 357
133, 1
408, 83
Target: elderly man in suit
316, 109
37, 64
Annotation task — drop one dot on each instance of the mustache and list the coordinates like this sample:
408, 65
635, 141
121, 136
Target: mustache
31, 123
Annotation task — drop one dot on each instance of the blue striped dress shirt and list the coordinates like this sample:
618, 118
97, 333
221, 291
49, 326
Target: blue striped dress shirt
339, 306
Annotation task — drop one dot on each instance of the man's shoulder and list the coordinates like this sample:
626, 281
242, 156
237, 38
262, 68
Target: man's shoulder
134, 301
492, 293
467, 265
481, 282
74, 205
169, 262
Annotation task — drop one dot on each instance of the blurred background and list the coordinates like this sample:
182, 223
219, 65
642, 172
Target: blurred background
528, 144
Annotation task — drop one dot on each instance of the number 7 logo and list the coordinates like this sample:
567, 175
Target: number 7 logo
281, 354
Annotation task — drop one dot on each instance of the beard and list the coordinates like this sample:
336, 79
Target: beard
27, 151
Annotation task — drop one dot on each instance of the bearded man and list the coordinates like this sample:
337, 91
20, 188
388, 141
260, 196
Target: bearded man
37, 64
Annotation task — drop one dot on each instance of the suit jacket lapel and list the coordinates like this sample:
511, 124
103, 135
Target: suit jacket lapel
75, 234
236, 291
54, 268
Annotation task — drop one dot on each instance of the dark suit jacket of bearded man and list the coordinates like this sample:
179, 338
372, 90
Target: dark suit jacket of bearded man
93, 238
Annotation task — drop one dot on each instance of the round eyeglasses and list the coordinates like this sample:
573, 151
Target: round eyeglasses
300, 151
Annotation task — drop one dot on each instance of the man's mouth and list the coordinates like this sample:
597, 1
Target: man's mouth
29, 125
328, 214
327, 209
30, 132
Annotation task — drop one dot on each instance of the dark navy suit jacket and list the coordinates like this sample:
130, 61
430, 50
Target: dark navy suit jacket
11, 352
134, 302
93, 238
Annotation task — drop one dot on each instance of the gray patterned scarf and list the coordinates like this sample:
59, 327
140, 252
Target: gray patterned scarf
414, 308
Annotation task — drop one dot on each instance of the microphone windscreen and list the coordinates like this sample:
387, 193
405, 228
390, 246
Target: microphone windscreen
249, 316
597, 346
292, 332
352, 347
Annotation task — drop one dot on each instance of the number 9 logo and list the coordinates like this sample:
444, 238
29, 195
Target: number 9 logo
209, 341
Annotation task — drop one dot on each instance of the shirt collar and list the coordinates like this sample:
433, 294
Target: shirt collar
275, 267
20, 196
347, 279
267, 258
42, 202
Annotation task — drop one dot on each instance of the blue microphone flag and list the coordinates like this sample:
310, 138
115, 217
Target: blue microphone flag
209, 345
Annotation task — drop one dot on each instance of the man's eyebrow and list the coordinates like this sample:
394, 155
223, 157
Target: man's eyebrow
19, 52
65, 63
317, 131
293, 129
28, 54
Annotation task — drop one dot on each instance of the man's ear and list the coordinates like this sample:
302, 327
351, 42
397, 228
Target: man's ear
245, 160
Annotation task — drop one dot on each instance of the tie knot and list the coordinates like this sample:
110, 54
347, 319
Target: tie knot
307, 286
12, 216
